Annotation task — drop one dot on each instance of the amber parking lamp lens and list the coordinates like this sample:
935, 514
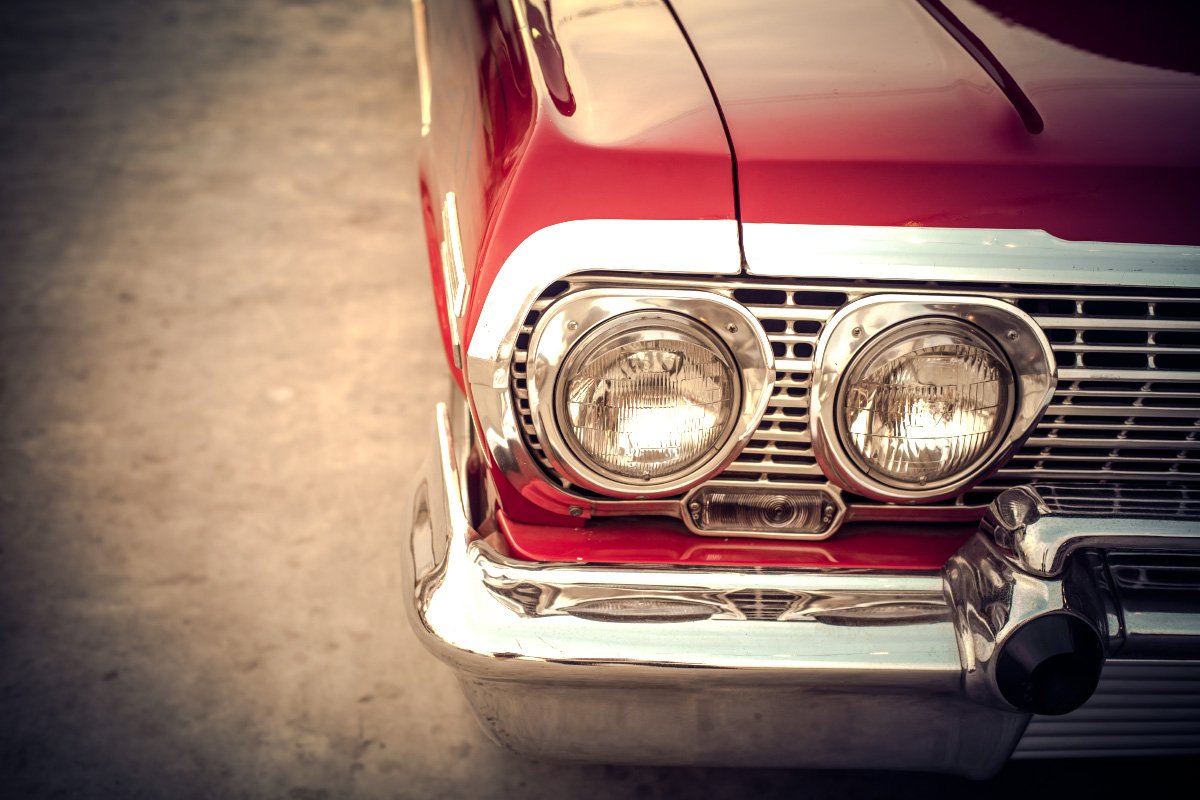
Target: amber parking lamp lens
926, 403
646, 397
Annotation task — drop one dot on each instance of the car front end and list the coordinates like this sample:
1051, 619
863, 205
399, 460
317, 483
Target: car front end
736, 490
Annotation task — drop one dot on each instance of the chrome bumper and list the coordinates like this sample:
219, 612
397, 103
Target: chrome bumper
930, 671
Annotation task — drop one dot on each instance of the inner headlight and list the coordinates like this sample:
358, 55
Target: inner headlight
646, 397
925, 403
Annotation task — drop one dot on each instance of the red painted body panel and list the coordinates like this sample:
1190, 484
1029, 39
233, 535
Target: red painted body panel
866, 112
624, 127
661, 541
861, 112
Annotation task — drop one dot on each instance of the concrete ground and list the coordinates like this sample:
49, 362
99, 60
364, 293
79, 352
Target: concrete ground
218, 353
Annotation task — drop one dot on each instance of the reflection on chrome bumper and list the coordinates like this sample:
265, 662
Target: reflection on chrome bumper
737, 665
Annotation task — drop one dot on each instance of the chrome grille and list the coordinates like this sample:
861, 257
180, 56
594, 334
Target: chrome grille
1147, 500
1139, 708
1126, 409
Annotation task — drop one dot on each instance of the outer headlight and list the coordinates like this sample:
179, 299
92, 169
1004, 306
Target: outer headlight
918, 397
641, 394
925, 402
647, 396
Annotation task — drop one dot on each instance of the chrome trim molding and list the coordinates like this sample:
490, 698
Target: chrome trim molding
1038, 540
852, 328
961, 254
708, 247
454, 278
670, 246
424, 80
453, 271
575, 317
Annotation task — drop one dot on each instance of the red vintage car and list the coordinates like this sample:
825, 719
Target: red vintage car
826, 378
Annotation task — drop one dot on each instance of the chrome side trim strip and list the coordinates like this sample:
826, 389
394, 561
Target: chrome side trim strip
962, 254
421, 45
454, 271
454, 276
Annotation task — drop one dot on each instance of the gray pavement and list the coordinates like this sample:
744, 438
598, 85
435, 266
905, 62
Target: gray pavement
217, 354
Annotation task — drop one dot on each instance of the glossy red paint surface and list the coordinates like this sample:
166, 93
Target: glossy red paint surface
866, 112
601, 112
659, 541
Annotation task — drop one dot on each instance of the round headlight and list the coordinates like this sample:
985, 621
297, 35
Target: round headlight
647, 397
926, 403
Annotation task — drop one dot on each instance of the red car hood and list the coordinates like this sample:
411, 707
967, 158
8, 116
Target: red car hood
867, 112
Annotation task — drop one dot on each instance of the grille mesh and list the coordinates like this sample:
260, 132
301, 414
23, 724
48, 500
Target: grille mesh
1126, 410
1139, 709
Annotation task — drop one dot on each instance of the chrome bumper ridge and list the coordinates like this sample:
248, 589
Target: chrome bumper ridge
935, 671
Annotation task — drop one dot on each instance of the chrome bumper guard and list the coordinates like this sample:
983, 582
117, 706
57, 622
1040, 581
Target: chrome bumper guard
937, 671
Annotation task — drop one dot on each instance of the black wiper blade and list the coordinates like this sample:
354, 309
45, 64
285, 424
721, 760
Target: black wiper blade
979, 51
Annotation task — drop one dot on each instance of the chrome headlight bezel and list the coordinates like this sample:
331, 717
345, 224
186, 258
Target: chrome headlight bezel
572, 320
860, 323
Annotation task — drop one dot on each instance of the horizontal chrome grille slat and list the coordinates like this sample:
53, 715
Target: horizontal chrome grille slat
1116, 323
783, 401
1072, 393
1107, 427
774, 469
791, 313
794, 338
793, 418
770, 451
1124, 714
1099, 459
782, 436
1125, 727
1126, 348
1092, 473
1081, 503
1147, 375
1061, 409
1121, 444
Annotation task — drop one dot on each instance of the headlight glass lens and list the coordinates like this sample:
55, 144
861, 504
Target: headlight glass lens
647, 396
925, 403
